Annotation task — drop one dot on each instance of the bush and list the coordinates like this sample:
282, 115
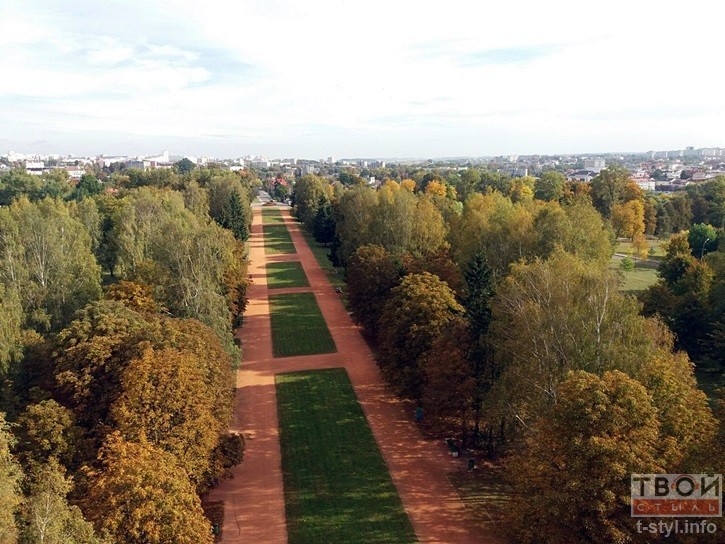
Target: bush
627, 264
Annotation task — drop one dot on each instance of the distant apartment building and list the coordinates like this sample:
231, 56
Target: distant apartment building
595, 165
34, 167
646, 184
75, 172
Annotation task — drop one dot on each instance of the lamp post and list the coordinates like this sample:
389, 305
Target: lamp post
702, 250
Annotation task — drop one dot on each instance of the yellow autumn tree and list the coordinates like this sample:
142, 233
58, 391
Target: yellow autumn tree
140, 495
571, 476
435, 188
628, 219
165, 400
408, 184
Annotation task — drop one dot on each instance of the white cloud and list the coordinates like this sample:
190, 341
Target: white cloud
435, 79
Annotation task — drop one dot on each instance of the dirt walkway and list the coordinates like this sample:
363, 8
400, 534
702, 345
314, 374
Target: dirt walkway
254, 498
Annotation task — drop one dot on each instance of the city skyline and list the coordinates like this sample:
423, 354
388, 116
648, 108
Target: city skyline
283, 79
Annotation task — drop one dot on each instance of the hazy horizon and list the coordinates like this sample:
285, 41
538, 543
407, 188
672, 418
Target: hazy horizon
317, 79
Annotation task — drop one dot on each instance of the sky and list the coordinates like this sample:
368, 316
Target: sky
399, 78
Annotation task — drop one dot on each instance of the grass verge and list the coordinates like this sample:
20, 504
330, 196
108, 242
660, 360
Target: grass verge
298, 327
277, 239
286, 274
337, 485
335, 275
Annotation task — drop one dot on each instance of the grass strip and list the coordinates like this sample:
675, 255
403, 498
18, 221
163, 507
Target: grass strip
337, 485
277, 239
298, 327
271, 216
286, 274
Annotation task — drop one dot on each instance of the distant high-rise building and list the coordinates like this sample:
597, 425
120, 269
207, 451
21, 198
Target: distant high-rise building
595, 165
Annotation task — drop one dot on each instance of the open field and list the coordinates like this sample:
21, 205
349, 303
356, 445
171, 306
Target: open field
271, 216
298, 327
336, 484
286, 274
277, 240
638, 279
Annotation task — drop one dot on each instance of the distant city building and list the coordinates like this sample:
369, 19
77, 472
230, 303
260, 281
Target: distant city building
34, 167
75, 172
582, 175
595, 165
646, 184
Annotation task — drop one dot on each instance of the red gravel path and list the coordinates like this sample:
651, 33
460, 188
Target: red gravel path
254, 498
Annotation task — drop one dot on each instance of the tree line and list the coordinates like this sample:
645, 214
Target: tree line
117, 305
490, 302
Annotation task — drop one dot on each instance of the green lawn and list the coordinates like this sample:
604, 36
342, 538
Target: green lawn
298, 327
277, 239
272, 216
336, 484
287, 274
639, 279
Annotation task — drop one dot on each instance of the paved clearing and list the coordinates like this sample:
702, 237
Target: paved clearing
254, 497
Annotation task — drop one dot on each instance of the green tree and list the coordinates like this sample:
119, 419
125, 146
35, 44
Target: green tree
550, 185
11, 319
87, 186
47, 516
702, 240
554, 316
353, 216
608, 188
10, 478
306, 195
184, 166
140, 495
416, 313
48, 430
236, 218
51, 265
17, 183
371, 273
220, 188
324, 227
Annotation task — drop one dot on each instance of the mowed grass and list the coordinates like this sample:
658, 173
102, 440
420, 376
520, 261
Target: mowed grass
287, 274
337, 487
277, 239
298, 327
640, 278
271, 216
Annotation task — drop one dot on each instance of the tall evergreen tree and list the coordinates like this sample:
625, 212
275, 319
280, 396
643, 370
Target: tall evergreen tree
234, 217
324, 228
